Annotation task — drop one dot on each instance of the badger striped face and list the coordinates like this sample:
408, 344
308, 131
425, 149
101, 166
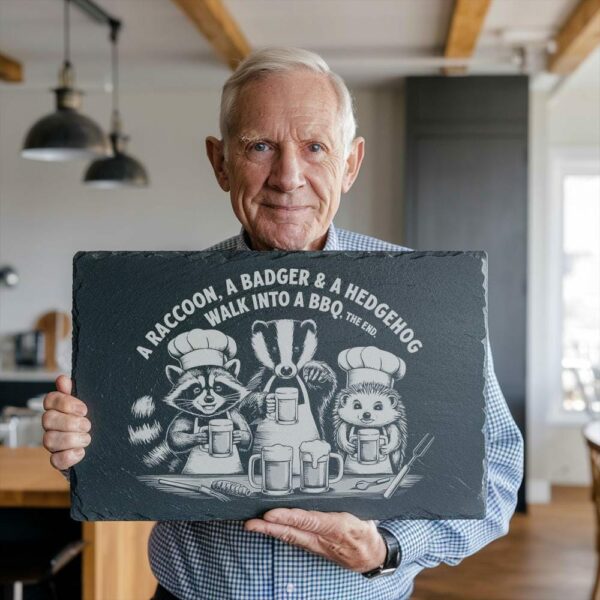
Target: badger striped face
284, 345
206, 390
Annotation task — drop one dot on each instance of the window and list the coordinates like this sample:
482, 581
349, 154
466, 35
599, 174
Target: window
578, 178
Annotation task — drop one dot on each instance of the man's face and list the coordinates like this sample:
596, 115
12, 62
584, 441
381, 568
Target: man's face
285, 167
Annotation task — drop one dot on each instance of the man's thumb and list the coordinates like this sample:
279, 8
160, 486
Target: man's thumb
64, 384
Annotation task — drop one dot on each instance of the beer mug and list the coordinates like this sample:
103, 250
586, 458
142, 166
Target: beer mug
276, 468
314, 466
367, 446
220, 437
286, 405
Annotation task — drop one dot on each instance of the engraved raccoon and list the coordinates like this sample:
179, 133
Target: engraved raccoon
199, 394
285, 348
367, 405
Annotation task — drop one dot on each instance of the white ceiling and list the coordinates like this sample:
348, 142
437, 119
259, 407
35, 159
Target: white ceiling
366, 41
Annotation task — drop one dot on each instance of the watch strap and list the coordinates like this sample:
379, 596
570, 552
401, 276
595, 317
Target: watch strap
393, 556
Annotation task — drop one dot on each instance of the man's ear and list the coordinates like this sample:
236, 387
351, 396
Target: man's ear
214, 151
353, 162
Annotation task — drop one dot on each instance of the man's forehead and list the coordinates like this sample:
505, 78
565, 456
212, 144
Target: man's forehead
303, 101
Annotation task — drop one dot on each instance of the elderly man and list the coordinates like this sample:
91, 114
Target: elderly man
286, 155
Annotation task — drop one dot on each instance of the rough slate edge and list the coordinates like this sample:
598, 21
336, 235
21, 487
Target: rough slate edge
229, 255
486, 344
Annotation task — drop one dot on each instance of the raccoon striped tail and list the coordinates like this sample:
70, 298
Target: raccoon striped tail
147, 430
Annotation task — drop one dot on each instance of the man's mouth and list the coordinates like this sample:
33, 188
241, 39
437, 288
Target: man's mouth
284, 208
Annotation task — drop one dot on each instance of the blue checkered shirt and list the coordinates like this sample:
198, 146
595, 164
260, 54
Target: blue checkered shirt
219, 560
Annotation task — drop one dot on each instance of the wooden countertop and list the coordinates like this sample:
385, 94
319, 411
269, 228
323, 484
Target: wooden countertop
115, 562
28, 479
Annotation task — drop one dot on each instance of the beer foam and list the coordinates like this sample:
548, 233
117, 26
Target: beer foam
277, 452
316, 450
221, 423
287, 392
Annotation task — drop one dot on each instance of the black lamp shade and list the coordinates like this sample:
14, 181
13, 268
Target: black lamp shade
120, 170
65, 134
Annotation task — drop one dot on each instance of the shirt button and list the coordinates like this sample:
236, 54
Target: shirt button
289, 588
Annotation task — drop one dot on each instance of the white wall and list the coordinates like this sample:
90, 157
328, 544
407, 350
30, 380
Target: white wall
556, 450
46, 214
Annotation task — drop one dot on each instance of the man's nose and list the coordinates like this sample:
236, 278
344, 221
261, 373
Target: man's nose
287, 172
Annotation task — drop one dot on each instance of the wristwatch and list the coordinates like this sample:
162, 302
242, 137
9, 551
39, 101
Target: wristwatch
393, 556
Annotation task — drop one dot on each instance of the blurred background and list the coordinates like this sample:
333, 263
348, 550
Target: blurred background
482, 122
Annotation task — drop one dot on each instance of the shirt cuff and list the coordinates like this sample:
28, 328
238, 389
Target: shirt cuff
413, 537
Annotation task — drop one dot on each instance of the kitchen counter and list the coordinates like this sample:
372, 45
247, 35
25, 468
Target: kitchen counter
115, 562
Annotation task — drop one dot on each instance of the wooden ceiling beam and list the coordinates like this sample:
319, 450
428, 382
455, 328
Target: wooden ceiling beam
466, 24
577, 38
10, 69
220, 29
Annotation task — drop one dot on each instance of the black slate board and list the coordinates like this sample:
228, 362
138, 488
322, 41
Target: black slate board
173, 348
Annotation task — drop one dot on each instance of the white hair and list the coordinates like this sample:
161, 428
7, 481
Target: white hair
276, 60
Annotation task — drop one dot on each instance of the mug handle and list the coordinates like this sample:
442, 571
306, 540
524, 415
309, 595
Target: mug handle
207, 445
340, 460
382, 440
251, 479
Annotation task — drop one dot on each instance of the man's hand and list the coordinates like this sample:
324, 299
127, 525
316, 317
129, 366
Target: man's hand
339, 537
66, 425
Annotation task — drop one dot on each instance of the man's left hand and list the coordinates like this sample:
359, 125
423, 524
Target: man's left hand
340, 537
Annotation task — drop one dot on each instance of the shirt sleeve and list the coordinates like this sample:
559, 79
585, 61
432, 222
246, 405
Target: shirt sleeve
428, 543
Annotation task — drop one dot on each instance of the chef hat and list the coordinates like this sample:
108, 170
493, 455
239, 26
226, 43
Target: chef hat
369, 363
202, 347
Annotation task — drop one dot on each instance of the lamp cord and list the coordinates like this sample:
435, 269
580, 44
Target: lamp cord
115, 76
66, 33
115, 26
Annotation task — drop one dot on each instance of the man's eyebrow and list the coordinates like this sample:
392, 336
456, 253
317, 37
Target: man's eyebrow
246, 137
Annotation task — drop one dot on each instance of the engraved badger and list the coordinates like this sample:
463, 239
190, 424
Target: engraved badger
369, 401
285, 348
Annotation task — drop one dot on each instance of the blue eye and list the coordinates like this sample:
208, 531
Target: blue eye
315, 148
260, 147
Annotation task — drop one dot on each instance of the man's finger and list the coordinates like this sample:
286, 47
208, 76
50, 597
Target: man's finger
287, 534
64, 384
64, 403
326, 524
59, 421
67, 458
57, 441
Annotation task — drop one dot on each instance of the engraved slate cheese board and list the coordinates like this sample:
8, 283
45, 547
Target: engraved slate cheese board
221, 384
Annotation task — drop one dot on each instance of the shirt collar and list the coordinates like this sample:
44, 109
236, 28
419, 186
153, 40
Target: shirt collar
243, 241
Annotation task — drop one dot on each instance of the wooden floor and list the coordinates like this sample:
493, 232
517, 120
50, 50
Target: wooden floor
549, 554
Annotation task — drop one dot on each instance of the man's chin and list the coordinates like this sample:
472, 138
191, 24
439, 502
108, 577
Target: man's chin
287, 236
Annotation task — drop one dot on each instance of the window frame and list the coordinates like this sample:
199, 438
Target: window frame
563, 161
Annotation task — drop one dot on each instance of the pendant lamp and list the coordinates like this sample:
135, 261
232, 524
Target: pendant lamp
121, 169
66, 134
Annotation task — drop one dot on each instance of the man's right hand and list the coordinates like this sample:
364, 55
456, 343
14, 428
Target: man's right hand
66, 425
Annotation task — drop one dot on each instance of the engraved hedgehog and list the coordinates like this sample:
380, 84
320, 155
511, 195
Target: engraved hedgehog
368, 408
